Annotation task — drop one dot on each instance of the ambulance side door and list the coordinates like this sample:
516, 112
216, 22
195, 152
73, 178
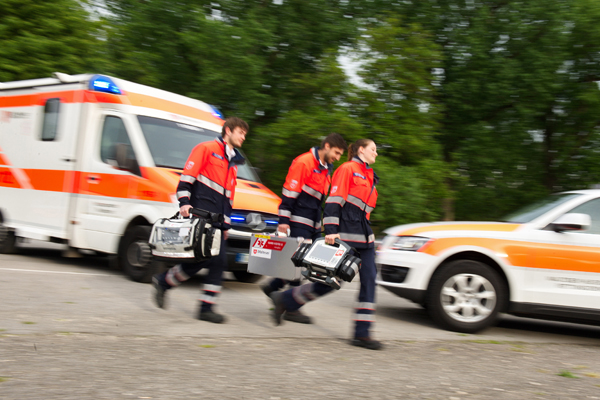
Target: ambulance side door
105, 186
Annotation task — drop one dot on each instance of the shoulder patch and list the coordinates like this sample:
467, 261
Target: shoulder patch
359, 175
218, 156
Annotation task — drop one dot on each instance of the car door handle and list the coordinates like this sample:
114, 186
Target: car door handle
93, 178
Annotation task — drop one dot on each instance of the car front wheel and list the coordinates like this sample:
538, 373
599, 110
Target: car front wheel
135, 255
465, 296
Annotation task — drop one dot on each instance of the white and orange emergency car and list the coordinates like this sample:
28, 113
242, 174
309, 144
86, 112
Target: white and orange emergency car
541, 262
93, 161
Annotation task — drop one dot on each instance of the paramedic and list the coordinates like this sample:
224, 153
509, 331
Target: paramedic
207, 182
300, 212
347, 211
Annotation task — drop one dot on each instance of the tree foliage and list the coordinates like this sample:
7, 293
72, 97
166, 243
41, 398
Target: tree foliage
38, 38
491, 104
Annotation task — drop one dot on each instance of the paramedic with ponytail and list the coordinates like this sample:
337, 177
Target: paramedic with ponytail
347, 211
208, 183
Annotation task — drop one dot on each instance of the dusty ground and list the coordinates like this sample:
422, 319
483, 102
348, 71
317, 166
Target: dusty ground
88, 366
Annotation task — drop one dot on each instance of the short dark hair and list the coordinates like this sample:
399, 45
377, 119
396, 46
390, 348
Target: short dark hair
335, 140
232, 123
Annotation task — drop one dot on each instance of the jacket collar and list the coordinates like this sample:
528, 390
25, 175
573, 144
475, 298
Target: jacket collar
315, 153
237, 159
366, 166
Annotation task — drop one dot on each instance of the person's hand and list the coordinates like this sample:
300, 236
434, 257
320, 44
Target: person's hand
284, 228
330, 239
225, 234
184, 211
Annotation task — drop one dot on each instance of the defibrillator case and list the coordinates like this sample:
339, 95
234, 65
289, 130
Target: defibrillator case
271, 255
186, 240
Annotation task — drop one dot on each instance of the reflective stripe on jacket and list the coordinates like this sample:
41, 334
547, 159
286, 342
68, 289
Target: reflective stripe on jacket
352, 199
209, 178
305, 187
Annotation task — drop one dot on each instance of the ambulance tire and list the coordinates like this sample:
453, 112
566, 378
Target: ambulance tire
466, 296
246, 277
7, 243
135, 255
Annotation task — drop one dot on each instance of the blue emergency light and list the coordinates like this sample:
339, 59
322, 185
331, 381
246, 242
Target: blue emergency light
101, 83
216, 113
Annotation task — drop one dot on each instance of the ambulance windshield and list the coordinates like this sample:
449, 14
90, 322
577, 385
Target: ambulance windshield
171, 142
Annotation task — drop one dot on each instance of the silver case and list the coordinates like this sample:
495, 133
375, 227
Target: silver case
265, 257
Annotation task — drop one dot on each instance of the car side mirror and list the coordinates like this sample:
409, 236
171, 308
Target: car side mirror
571, 222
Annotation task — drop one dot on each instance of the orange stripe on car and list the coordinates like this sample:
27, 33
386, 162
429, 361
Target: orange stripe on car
527, 254
494, 227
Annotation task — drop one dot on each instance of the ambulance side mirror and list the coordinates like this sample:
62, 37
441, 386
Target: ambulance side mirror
123, 161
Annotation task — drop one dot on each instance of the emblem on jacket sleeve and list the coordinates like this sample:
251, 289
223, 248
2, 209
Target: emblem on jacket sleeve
293, 184
334, 189
189, 165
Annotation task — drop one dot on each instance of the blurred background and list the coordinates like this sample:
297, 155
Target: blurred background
477, 107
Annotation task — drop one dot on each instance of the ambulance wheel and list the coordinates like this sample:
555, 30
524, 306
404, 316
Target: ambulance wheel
7, 240
246, 277
466, 296
135, 255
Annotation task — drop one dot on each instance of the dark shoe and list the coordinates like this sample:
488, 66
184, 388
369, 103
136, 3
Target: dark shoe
159, 293
278, 307
267, 289
211, 316
297, 316
367, 343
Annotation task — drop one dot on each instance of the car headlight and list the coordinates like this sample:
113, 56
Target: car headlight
406, 243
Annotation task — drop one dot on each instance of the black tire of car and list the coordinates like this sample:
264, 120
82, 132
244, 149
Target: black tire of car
7, 241
246, 277
135, 256
452, 270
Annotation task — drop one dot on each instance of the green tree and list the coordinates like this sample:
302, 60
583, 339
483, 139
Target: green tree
519, 96
41, 37
400, 110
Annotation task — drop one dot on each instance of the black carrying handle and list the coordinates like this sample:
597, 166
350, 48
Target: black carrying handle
198, 212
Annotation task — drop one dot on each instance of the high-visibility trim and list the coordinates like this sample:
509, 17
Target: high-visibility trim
364, 317
289, 193
227, 219
353, 237
211, 184
187, 178
180, 274
331, 220
365, 306
356, 201
212, 288
285, 213
208, 299
228, 194
312, 192
336, 199
369, 209
302, 220
184, 193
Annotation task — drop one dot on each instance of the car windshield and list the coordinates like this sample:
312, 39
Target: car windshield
171, 142
532, 211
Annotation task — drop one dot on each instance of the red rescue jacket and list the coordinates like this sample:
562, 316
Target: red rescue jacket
209, 178
305, 187
352, 199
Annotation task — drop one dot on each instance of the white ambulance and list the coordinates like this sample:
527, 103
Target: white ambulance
92, 162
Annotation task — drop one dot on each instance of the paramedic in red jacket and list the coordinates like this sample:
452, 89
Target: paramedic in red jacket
306, 186
207, 182
347, 210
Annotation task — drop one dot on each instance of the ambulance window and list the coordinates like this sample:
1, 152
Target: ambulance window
591, 208
50, 123
113, 134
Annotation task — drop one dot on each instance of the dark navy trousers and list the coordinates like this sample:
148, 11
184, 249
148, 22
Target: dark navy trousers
180, 273
364, 314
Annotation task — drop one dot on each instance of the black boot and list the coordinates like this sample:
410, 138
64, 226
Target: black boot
159, 293
211, 316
